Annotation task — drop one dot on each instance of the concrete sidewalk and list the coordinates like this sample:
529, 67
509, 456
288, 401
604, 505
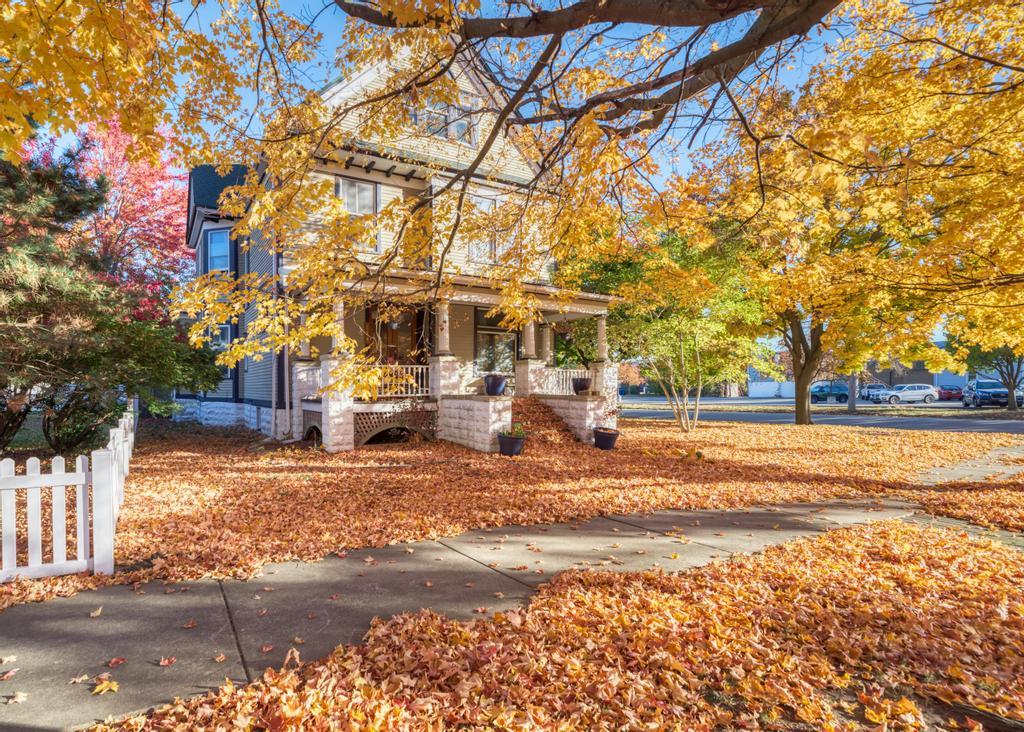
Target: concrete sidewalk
314, 607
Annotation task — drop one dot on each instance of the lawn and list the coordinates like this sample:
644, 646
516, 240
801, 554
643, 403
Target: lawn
879, 627
201, 502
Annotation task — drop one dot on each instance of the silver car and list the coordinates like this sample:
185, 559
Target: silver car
906, 393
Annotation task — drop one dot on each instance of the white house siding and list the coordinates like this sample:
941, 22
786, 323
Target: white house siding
504, 158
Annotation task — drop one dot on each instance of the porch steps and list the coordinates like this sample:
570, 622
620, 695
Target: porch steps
544, 426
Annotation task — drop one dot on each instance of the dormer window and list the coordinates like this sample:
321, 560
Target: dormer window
218, 250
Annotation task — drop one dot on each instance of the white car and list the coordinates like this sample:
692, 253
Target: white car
906, 393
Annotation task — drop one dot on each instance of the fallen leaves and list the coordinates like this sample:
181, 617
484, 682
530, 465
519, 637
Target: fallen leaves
18, 697
212, 508
105, 685
859, 623
190, 624
96, 613
115, 662
166, 661
9, 674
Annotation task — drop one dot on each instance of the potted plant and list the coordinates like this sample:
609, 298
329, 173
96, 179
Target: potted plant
494, 384
511, 441
581, 384
605, 437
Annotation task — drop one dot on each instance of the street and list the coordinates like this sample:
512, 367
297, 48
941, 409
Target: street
632, 407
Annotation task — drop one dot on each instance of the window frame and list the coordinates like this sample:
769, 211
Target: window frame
208, 235
474, 247
375, 188
444, 116
457, 113
481, 327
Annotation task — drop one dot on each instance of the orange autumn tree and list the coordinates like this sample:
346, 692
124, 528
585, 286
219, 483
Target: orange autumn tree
868, 229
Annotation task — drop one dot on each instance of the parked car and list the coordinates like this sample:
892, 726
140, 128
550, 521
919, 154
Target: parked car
985, 393
867, 391
950, 392
907, 393
825, 390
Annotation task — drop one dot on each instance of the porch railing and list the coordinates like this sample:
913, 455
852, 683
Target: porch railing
559, 381
403, 381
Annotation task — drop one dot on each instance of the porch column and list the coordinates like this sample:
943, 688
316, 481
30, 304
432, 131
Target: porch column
529, 341
545, 343
442, 329
551, 345
339, 318
602, 337
337, 419
529, 370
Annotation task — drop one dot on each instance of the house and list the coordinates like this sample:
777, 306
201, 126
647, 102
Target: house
431, 360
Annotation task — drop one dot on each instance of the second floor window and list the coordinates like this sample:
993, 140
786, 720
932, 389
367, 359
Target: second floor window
360, 199
218, 250
484, 247
358, 196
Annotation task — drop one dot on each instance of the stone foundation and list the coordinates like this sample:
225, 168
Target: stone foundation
473, 421
233, 414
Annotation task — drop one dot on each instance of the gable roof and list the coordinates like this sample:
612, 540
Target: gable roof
474, 69
205, 186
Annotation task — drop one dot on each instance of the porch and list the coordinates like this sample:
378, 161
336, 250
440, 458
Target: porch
430, 378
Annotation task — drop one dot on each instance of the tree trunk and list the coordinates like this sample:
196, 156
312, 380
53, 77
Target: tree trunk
803, 397
805, 352
851, 403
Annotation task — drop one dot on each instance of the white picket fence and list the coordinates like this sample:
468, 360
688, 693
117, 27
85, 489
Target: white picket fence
99, 492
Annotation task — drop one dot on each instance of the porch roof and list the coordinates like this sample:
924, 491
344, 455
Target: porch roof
473, 290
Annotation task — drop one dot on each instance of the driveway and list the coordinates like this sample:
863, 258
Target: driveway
940, 424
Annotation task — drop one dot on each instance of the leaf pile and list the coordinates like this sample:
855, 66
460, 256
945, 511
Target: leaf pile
200, 503
844, 631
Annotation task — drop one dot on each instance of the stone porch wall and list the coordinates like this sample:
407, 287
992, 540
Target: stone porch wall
473, 421
581, 413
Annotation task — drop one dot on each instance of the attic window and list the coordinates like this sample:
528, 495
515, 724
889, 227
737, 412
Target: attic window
448, 122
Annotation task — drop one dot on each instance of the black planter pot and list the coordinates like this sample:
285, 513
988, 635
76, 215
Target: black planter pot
494, 384
604, 438
511, 446
581, 384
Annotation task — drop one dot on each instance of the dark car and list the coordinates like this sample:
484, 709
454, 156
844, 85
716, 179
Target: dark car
987, 393
950, 392
825, 390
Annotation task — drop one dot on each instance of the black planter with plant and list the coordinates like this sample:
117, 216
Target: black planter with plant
494, 384
511, 441
605, 437
581, 384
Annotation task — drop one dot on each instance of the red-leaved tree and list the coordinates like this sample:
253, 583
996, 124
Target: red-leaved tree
138, 234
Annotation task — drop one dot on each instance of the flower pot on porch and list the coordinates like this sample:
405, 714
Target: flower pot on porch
581, 384
510, 445
494, 384
604, 438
